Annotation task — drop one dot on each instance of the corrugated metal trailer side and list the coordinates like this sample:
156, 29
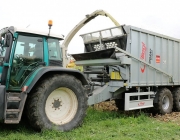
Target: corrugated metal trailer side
136, 67
160, 51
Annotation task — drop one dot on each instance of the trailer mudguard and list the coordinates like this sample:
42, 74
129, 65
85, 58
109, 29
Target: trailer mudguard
2, 101
43, 71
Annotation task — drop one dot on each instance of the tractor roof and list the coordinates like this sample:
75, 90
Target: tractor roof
16, 29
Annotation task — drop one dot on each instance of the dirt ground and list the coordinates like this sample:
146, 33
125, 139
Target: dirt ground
110, 106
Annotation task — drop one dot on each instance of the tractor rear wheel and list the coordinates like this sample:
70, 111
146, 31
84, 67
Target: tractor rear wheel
58, 102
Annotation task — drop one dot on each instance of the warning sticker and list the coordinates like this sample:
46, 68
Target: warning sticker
158, 59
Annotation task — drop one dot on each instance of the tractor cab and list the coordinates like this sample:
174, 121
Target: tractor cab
23, 51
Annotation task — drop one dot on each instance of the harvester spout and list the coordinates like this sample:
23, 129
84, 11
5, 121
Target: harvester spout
71, 34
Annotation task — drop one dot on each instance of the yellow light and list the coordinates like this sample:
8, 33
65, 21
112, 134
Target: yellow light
50, 23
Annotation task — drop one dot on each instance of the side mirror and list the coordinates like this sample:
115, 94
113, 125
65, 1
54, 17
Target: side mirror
7, 40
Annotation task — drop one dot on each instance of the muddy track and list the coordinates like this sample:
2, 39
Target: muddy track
110, 106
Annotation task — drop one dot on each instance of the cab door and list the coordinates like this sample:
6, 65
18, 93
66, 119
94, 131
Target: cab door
27, 55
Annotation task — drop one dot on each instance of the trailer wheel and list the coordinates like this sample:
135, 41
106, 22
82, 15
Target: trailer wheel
176, 99
165, 101
58, 102
119, 104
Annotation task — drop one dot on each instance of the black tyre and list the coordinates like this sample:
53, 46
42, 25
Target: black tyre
120, 104
176, 99
164, 103
58, 102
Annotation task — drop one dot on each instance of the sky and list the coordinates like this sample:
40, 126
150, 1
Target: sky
161, 16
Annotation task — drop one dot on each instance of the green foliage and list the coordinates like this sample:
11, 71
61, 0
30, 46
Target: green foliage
100, 125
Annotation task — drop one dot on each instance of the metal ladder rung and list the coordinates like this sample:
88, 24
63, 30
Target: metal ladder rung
12, 110
11, 121
13, 99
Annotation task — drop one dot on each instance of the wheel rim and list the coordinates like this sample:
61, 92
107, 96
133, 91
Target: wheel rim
165, 102
61, 106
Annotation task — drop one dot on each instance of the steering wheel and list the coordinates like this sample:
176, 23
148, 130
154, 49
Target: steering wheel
19, 59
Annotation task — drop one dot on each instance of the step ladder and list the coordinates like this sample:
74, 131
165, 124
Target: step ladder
14, 106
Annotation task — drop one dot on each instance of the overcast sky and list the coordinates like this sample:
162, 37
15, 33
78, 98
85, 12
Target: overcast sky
162, 16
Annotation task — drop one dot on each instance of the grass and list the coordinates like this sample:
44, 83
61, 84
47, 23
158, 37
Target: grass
100, 125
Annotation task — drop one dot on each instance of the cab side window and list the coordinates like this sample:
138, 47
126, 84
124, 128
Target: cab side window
54, 49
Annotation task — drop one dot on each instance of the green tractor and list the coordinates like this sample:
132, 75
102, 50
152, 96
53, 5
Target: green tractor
33, 82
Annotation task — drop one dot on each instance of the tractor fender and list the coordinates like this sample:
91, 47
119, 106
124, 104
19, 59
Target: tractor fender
42, 72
